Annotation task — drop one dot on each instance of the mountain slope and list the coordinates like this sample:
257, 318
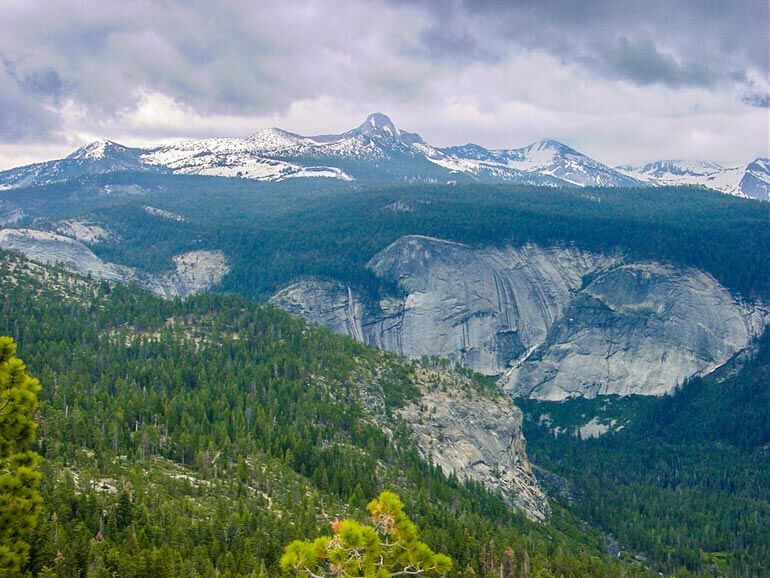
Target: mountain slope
378, 151
683, 477
228, 430
98, 157
755, 183
557, 322
374, 151
752, 181
193, 271
548, 158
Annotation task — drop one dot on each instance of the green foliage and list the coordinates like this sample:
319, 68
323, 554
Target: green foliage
199, 438
388, 546
686, 479
20, 500
275, 233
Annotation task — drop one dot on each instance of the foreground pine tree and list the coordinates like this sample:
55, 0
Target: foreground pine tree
388, 546
20, 500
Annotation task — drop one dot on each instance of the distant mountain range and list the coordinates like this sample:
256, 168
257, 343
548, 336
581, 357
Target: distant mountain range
378, 151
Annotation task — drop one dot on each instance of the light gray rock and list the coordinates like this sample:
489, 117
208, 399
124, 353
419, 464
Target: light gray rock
332, 305
52, 248
481, 308
9, 213
556, 322
477, 437
468, 431
193, 272
637, 329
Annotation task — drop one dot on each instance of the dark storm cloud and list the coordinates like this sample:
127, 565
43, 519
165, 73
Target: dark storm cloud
642, 62
231, 57
758, 100
688, 42
24, 110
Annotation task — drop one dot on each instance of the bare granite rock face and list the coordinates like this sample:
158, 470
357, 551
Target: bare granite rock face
641, 328
332, 305
481, 308
467, 430
193, 272
477, 436
52, 248
556, 322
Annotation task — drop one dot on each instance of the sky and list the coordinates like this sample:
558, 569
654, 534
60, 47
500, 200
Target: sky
624, 81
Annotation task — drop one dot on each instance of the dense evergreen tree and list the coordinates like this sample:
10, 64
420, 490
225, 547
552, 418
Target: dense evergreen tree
20, 500
685, 480
388, 546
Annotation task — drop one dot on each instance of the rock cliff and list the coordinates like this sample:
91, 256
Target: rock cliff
478, 437
470, 431
637, 329
557, 322
482, 308
193, 272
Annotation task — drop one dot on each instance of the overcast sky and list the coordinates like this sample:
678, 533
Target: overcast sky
622, 81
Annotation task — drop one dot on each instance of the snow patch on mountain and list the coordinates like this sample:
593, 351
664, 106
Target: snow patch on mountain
96, 150
234, 157
756, 181
691, 173
378, 150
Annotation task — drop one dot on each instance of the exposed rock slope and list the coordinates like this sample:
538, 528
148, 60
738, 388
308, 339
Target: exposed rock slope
471, 432
637, 329
561, 322
481, 308
477, 437
193, 272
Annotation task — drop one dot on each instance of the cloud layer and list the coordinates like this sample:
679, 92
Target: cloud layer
624, 81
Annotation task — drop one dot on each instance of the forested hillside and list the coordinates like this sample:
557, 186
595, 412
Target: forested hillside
274, 233
683, 478
200, 437
167, 401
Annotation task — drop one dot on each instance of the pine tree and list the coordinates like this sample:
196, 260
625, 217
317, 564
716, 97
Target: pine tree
388, 546
20, 500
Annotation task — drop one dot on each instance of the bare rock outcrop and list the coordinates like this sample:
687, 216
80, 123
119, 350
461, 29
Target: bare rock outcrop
482, 308
555, 322
468, 430
477, 436
193, 272
642, 328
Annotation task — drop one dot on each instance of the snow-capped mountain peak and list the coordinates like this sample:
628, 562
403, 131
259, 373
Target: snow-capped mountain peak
550, 144
96, 150
381, 123
678, 167
270, 139
691, 173
555, 159
377, 150
469, 151
379, 127
537, 155
755, 182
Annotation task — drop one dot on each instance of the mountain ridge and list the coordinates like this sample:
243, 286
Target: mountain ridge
377, 150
